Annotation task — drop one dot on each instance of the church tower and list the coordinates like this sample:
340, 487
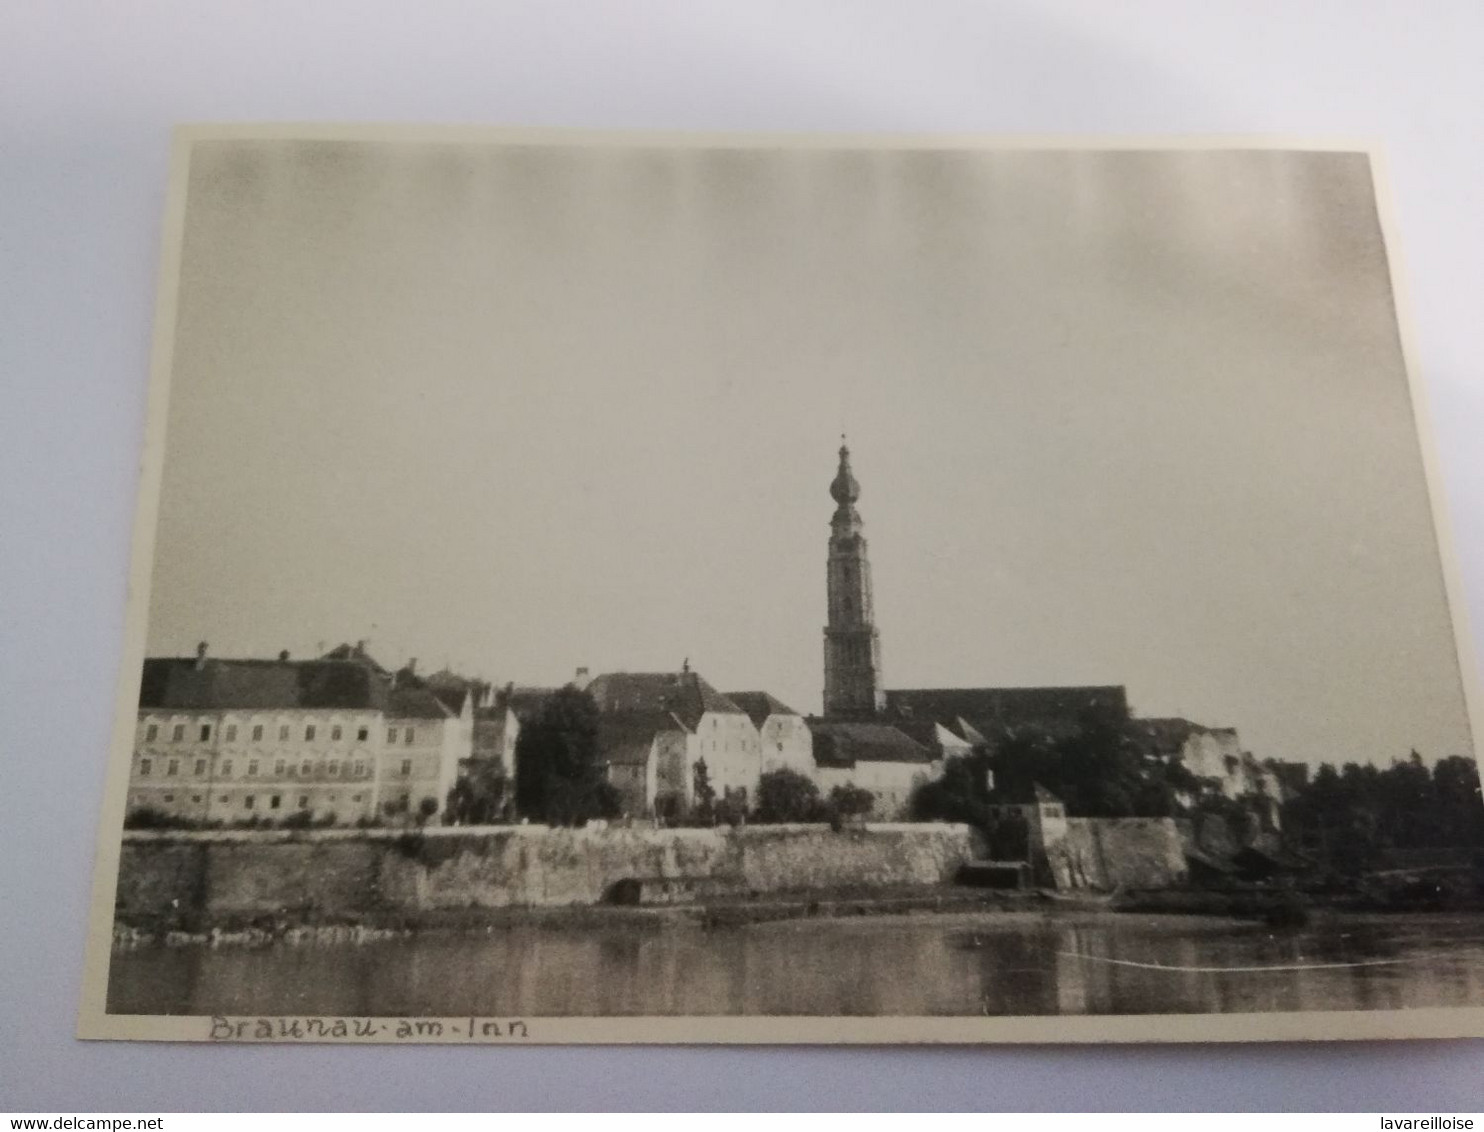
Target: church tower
852, 649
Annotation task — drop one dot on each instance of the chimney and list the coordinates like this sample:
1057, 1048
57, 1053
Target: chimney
412, 666
685, 665
283, 654
200, 656
361, 647
581, 680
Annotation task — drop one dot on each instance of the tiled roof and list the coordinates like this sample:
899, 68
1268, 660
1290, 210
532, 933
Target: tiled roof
684, 693
994, 710
759, 705
186, 684
843, 743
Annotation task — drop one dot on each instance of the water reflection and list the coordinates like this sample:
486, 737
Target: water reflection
920, 965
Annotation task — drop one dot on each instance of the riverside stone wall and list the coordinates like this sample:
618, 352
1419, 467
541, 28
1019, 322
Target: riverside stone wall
348, 873
1109, 853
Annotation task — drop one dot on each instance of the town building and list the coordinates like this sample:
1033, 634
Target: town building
877, 757
333, 740
783, 734
691, 723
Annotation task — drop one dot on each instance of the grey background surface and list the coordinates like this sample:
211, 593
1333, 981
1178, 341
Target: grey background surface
86, 99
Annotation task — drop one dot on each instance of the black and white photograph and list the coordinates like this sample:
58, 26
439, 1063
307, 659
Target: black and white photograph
737, 588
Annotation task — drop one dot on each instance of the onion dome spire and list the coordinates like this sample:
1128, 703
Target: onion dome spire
844, 490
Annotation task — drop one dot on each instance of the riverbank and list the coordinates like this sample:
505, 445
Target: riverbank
301, 926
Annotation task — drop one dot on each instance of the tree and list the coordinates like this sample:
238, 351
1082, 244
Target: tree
959, 794
558, 778
704, 808
480, 796
426, 809
851, 801
787, 796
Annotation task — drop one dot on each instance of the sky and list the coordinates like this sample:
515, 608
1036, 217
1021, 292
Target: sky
1118, 417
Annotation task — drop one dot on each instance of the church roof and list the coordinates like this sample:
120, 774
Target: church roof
991, 710
684, 693
759, 706
843, 743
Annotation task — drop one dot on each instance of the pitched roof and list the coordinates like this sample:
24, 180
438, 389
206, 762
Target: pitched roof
450, 697
843, 743
628, 738
995, 710
186, 684
684, 693
759, 705
415, 703
524, 702
357, 653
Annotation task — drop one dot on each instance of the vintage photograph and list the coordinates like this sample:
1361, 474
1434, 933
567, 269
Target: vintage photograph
734, 588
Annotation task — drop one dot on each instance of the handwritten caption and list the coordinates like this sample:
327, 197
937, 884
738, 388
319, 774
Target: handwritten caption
367, 1029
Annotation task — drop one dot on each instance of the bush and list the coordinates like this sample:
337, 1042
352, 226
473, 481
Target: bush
147, 817
787, 796
851, 801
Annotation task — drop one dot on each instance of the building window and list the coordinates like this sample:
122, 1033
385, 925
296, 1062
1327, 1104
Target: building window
306, 768
283, 732
357, 797
303, 801
200, 767
248, 801
252, 769
144, 765
205, 732
406, 767
177, 733
391, 735
257, 732
335, 734
334, 768
363, 734
360, 769
223, 799
275, 801
196, 798
226, 768
231, 733
152, 732
409, 736
172, 767
309, 734
168, 798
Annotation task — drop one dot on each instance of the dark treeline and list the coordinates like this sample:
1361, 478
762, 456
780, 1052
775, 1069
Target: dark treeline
1357, 813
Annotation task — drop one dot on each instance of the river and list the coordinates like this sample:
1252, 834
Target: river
982, 964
